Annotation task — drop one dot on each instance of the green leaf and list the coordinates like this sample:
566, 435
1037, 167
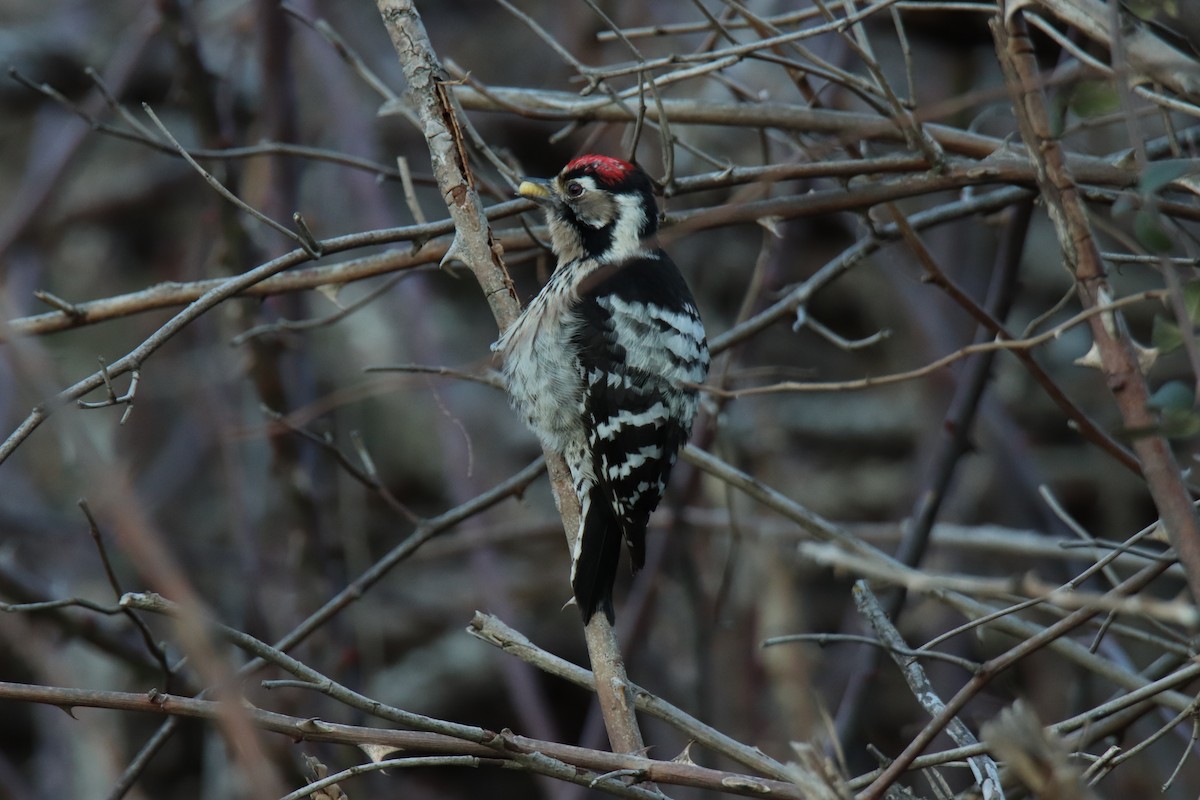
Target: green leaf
1149, 231
1175, 402
1123, 205
1144, 10
1166, 336
1093, 98
1153, 10
1173, 396
1159, 173
1179, 423
1191, 300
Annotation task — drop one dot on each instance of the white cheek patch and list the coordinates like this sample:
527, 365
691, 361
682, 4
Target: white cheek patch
627, 229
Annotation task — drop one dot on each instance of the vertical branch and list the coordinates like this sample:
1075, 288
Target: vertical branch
438, 113
1116, 351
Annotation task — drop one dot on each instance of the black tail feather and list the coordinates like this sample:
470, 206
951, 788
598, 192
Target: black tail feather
599, 554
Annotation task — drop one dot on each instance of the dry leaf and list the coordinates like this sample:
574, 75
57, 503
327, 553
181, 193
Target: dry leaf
1036, 757
816, 775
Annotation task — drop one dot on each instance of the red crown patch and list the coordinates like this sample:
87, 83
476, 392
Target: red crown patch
606, 168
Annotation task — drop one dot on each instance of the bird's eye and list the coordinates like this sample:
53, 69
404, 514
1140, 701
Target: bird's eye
574, 189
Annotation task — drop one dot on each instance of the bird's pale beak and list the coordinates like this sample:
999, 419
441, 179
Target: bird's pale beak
535, 189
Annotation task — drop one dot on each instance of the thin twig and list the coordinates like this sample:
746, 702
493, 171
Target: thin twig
564, 762
152, 646
303, 241
493, 631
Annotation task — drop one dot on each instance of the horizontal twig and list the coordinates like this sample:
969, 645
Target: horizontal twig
853, 125
493, 631
512, 746
1175, 612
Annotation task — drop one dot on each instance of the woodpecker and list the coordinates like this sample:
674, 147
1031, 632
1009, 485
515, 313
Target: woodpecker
603, 363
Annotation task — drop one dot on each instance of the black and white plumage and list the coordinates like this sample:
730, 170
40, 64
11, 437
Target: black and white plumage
603, 363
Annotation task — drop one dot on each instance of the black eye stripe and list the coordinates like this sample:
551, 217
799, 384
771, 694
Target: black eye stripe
594, 240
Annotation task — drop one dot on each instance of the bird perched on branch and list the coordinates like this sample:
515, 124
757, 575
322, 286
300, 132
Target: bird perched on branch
603, 364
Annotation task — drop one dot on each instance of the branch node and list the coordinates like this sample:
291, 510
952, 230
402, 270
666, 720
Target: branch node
309, 242
54, 301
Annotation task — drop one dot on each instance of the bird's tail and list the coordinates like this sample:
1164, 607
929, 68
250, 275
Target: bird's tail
597, 553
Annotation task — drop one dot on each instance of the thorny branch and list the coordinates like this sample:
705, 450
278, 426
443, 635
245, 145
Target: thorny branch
1117, 351
475, 245
560, 761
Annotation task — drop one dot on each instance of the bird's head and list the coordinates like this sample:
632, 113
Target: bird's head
597, 207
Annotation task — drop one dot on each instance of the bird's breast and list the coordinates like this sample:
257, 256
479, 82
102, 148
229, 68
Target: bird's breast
541, 368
